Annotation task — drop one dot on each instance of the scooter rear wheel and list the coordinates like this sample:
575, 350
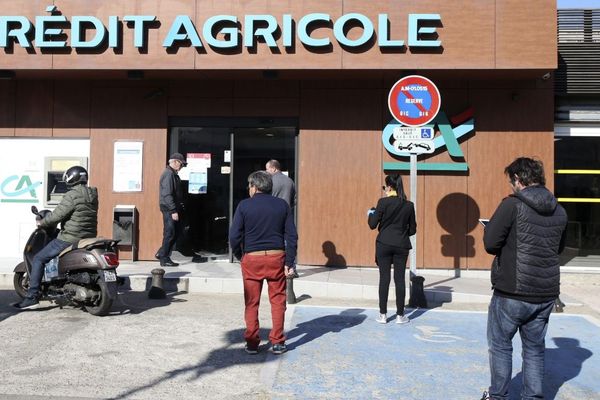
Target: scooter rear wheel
102, 305
21, 283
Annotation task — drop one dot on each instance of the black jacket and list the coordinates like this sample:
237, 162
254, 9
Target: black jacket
395, 220
170, 197
527, 233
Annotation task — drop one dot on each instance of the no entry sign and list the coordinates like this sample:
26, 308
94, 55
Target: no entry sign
414, 100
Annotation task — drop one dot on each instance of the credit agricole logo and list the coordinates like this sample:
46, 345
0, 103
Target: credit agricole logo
18, 189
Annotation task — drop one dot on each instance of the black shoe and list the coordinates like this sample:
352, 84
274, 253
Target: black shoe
250, 350
168, 263
485, 396
279, 348
27, 304
157, 256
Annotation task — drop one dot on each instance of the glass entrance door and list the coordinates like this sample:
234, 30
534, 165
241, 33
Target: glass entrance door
230, 151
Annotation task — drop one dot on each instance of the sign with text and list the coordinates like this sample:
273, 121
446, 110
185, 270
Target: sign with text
414, 100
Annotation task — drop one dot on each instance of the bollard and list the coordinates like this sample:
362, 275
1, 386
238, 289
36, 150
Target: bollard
417, 292
157, 291
558, 305
289, 290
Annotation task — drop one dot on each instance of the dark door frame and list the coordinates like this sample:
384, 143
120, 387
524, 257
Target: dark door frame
234, 123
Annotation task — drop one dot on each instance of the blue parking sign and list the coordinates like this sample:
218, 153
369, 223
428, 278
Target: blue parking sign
426, 133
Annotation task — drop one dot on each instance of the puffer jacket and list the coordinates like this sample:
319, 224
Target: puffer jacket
527, 233
78, 211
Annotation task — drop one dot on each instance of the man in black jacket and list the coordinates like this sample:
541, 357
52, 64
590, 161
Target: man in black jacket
526, 234
170, 203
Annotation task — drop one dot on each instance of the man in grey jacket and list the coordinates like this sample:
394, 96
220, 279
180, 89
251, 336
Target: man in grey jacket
170, 202
526, 234
283, 185
78, 211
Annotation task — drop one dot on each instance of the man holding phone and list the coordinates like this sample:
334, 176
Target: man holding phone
526, 234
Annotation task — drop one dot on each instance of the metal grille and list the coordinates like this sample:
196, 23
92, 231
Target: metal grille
578, 52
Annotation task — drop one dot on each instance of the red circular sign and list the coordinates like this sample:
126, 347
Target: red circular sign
414, 100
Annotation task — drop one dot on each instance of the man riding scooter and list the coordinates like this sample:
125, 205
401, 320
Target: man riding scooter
78, 211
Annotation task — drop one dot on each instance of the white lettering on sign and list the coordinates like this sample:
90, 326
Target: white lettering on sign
414, 88
414, 101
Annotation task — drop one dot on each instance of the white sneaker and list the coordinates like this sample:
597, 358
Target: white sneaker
382, 319
402, 319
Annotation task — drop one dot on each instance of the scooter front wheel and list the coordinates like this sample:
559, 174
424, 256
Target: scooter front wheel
21, 283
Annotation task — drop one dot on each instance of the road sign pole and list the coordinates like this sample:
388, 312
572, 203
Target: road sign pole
413, 199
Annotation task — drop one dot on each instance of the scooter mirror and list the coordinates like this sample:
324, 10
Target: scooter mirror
34, 209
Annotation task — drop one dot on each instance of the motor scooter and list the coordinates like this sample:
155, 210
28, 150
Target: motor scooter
83, 275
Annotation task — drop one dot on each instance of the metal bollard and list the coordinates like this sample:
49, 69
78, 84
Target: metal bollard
558, 305
289, 290
157, 291
417, 292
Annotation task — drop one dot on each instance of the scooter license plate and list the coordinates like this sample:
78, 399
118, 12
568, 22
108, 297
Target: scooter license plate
110, 276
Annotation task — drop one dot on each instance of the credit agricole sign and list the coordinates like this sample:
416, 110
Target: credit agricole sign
55, 31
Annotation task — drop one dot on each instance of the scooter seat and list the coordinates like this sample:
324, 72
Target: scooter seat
84, 243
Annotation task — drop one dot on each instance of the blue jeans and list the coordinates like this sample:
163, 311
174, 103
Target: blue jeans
52, 249
505, 317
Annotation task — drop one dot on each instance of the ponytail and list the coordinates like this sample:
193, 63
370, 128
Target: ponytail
395, 181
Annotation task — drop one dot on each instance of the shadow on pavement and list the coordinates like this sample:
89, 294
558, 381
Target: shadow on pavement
562, 364
7, 298
233, 354
130, 302
313, 329
228, 355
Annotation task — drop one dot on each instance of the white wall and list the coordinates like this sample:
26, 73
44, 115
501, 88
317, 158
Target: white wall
25, 157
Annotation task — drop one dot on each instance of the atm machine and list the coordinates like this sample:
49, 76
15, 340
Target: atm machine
54, 168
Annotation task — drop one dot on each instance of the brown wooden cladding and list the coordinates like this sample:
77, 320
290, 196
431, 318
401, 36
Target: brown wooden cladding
475, 34
340, 154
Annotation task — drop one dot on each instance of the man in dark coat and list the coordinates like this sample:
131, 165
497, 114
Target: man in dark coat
171, 205
78, 211
526, 234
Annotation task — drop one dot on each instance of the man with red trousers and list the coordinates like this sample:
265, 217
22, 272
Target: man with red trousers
263, 235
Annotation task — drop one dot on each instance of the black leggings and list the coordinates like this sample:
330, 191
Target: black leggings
386, 256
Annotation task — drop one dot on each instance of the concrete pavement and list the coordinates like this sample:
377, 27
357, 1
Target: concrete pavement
190, 346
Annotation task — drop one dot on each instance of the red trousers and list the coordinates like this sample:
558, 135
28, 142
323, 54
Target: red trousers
256, 269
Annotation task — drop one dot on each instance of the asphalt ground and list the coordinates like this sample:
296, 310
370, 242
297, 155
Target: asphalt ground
190, 346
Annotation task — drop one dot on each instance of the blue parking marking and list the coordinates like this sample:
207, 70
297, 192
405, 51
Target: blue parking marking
344, 353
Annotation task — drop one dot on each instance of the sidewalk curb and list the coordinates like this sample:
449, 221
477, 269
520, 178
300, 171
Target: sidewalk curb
142, 282
318, 289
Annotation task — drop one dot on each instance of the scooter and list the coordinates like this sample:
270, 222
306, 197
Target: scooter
83, 275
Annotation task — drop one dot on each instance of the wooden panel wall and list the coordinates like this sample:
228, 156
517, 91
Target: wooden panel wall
340, 152
339, 175
128, 114
512, 119
7, 105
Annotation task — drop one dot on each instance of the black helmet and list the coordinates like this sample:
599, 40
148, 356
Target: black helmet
75, 175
